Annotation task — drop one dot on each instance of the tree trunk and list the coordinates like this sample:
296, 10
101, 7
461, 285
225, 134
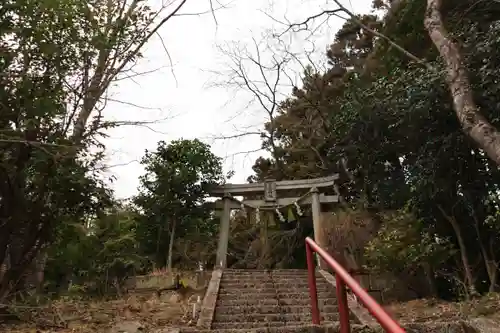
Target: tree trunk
40, 263
491, 265
21, 256
473, 123
171, 246
116, 283
5, 263
158, 262
429, 277
470, 287
492, 268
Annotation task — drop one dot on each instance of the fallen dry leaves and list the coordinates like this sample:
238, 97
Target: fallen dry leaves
425, 310
89, 316
79, 316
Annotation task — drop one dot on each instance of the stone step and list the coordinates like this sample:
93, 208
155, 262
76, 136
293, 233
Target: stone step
267, 271
327, 292
269, 309
261, 274
273, 284
289, 270
319, 286
303, 295
238, 301
282, 292
324, 328
238, 272
247, 291
270, 290
289, 282
261, 324
234, 279
243, 270
321, 292
265, 274
272, 317
247, 296
247, 325
297, 280
294, 276
292, 273
322, 301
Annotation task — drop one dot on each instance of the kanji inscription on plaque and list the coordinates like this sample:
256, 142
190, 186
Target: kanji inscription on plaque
270, 190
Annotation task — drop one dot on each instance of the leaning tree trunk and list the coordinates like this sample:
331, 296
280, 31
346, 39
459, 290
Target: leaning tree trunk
171, 247
469, 277
473, 123
39, 269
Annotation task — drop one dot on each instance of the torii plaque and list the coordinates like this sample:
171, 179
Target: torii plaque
271, 190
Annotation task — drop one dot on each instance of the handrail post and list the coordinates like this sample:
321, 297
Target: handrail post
343, 280
341, 291
311, 275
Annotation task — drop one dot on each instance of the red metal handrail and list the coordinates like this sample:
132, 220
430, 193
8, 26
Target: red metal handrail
343, 279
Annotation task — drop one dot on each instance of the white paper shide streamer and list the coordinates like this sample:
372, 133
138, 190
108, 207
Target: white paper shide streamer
297, 207
280, 216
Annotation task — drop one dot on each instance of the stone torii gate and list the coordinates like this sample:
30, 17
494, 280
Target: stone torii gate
271, 192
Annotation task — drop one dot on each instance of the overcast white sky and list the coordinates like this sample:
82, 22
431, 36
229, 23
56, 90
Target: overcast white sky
187, 104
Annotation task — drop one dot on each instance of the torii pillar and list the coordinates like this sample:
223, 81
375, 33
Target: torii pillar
319, 229
225, 221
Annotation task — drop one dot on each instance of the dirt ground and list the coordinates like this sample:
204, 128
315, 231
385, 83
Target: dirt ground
75, 316
72, 315
425, 310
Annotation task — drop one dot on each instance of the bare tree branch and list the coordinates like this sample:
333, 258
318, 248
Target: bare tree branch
304, 26
104, 75
259, 71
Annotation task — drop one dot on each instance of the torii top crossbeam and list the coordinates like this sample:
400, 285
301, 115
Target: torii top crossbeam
284, 185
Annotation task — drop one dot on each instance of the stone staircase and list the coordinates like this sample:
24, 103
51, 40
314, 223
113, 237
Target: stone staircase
271, 301
277, 301
263, 299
